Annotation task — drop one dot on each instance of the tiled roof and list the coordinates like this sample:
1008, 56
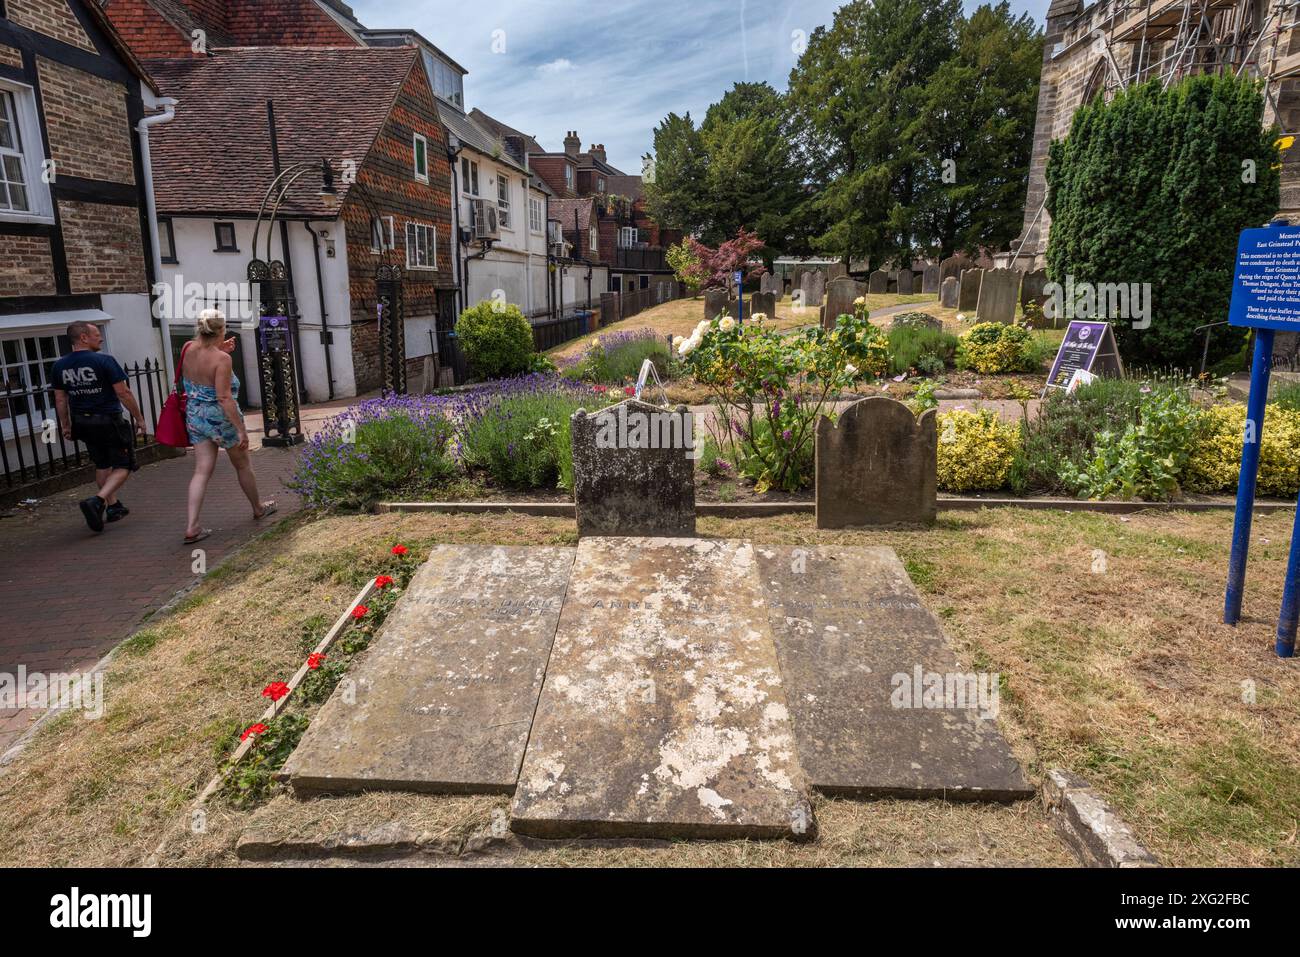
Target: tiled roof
630, 186
474, 136
501, 130
181, 17
215, 156
562, 211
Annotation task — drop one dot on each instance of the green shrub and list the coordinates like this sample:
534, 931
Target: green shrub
1215, 461
1149, 188
1287, 396
617, 357
992, 348
496, 339
928, 351
917, 320
520, 436
976, 450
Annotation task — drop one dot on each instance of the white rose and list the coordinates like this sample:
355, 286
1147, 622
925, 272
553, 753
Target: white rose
860, 301
727, 324
759, 317
687, 346
677, 341
851, 369
961, 317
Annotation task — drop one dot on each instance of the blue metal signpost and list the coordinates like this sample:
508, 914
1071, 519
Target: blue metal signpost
1265, 297
740, 296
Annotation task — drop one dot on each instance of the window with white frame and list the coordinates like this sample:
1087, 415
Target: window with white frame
26, 361
23, 190
568, 176
535, 214
600, 184
381, 234
421, 149
503, 200
421, 246
627, 236
594, 236
469, 176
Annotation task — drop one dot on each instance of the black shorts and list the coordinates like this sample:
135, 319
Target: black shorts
109, 439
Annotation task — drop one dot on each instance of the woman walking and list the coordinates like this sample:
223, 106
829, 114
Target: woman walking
212, 418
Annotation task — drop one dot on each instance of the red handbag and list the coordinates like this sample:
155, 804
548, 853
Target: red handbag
171, 429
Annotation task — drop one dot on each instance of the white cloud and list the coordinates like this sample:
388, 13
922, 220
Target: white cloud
562, 65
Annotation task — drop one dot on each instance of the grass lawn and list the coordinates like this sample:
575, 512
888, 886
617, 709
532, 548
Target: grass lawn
1126, 677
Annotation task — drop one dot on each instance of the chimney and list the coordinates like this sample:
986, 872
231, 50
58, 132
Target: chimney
572, 145
597, 152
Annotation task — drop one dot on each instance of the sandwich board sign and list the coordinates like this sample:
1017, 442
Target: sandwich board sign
1088, 347
1265, 298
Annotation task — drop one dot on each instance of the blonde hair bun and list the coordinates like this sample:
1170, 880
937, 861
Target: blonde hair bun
212, 322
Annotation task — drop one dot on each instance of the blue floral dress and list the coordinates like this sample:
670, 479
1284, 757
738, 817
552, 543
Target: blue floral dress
204, 419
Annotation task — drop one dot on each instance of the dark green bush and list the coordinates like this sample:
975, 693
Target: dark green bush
910, 346
496, 339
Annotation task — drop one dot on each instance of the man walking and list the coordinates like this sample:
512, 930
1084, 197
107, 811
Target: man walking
89, 392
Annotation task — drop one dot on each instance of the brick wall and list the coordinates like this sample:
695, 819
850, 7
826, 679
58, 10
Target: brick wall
87, 122
389, 187
54, 18
104, 248
26, 268
11, 56
150, 35
551, 169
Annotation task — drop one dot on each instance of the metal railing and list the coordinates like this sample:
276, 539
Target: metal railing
32, 447
647, 258
553, 332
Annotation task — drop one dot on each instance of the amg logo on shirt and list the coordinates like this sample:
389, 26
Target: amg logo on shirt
82, 376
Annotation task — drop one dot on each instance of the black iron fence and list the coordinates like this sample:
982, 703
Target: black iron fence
644, 258
553, 332
33, 448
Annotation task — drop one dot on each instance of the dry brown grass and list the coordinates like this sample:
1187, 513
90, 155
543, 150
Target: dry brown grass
1126, 677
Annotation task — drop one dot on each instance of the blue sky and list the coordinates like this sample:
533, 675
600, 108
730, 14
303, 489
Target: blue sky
611, 70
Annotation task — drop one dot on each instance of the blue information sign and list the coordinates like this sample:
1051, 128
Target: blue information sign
1266, 287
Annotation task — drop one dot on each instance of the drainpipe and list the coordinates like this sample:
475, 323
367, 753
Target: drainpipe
166, 116
324, 313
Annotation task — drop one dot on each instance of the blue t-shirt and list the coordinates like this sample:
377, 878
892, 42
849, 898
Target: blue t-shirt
88, 378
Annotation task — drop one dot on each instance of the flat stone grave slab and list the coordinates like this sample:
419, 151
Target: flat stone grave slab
858, 653
663, 713
444, 697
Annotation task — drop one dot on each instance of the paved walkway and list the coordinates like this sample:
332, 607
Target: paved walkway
69, 596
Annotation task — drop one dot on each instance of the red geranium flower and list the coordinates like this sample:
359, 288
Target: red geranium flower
258, 728
275, 690
598, 388
314, 660
359, 612
399, 549
383, 581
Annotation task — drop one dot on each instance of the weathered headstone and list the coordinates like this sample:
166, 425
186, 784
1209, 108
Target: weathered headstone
948, 292
814, 288
876, 465
905, 278
878, 282
1032, 286
767, 283
861, 657
840, 294
969, 293
999, 291
836, 271
631, 470
443, 700
953, 266
764, 303
715, 303
930, 279
663, 712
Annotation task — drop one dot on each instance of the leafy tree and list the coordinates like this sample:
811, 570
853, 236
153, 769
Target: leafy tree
857, 98
976, 134
1154, 187
686, 265
677, 195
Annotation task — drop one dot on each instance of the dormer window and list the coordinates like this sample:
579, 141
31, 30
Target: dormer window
600, 184
568, 176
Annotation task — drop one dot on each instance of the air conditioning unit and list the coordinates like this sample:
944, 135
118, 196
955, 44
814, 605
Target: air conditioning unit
560, 250
487, 224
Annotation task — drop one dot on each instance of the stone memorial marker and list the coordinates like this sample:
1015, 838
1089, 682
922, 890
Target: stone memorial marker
1032, 287
762, 302
814, 288
878, 282
948, 293
893, 281
953, 266
905, 279
969, 291
999, 292
861, 657
631, 470
663, 712
930, 279
876, 465
443, 699
839, 299
837, 271
715, 303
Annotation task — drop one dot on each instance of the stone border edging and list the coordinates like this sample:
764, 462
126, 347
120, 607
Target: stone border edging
1088, 825
766, 509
